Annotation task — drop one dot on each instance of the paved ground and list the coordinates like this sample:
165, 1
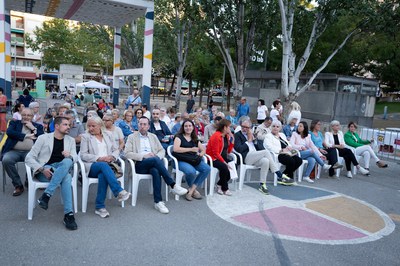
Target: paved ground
202, 232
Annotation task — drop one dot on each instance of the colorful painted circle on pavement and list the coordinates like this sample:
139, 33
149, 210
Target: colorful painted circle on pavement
304, 214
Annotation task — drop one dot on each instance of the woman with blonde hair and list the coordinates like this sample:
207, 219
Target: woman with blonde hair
98, 149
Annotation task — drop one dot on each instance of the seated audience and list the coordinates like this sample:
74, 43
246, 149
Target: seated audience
160, 129
114, 131
51, 159
335, 139
76, 130
362, 147
219, 146
277, 143
188, 150
330, 153
263, 129
301, 140
98, 149
253, 155
145, 149
210, 129
290, 128
126, 124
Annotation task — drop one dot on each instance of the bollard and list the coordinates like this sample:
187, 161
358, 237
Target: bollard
385, 112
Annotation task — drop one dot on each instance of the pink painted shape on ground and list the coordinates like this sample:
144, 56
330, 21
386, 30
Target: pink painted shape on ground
298, 223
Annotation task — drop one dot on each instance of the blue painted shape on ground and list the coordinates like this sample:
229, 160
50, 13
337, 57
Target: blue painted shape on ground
293, 192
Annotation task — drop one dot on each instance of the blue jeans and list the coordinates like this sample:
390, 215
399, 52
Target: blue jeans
312, 158
61, 177
106, 177
190, 172
155, 167
10, 160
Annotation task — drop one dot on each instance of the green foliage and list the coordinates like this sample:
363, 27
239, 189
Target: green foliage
393, 107
85, 44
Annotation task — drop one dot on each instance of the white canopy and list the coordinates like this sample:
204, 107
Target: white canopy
92, 84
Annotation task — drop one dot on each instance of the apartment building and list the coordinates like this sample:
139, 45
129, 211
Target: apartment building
25, 63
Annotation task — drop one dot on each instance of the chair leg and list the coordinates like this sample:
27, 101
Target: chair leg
85, 192
135, 187
242, 175
31, 200
212, 181
122, 182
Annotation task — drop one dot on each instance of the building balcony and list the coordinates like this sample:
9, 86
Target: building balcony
19, 41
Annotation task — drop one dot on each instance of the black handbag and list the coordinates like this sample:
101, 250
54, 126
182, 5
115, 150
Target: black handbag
188, 157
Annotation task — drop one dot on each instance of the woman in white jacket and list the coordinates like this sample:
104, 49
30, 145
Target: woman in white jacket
277, 143
334, 139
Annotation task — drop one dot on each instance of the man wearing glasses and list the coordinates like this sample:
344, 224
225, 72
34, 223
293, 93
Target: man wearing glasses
76, 130
160, 129
21, 136
244, 144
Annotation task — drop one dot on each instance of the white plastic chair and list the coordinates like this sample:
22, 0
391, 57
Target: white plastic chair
87, 181
137, 177
214, 172
33, 185
179, 174
243, 168
358, 157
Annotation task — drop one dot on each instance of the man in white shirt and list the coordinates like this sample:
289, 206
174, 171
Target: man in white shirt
144, 148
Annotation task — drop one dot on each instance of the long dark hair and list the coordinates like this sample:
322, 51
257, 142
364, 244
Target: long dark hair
304, 134
193, 135
17, 106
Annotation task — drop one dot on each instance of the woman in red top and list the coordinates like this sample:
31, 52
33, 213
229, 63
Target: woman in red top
219, 146
3, 111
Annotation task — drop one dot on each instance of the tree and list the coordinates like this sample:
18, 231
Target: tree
54, 41
324, 14
232, 25
178, 16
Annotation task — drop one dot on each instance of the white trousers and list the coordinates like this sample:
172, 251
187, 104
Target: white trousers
367, 152
264, 160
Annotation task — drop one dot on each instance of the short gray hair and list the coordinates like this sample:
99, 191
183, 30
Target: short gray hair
335, 123
33, 105
276, 123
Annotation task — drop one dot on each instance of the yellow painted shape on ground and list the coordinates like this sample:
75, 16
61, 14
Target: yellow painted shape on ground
349, 211
149, 56
395, 217
2, 47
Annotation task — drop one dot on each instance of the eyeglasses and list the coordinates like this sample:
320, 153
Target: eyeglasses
245, 127
26, 115
106, 120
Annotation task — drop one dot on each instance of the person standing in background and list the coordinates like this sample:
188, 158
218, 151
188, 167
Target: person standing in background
3, 111
243, 108
262, 111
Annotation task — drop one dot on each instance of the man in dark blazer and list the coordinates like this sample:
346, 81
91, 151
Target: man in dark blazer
244, 144
160, 129
22, 134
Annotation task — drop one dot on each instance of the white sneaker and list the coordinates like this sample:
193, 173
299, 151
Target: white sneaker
308, 179
103, 213
178, 190
123, 195
219, 190
160, 206
349, 175
326, 166
363, 170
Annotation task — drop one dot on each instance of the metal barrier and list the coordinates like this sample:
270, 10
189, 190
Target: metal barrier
386, 141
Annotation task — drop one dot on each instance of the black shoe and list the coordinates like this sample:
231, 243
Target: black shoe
69, 221
263, 189
44, 201
285, 180
18, 190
